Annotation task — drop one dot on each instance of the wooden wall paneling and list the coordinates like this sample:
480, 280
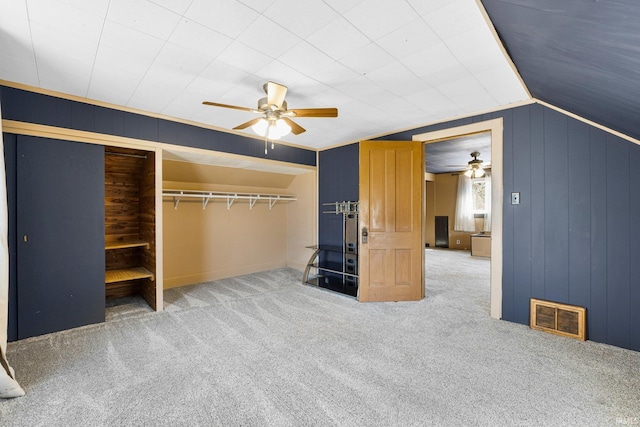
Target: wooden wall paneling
147, 218
597, 308
523, 180
579, 213
122, 258
130, 197
556, 225
537, 195
123, 289
618, 259
122, 195
634, 250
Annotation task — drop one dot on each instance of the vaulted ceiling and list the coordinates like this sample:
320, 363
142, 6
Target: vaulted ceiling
386, 65
580, 55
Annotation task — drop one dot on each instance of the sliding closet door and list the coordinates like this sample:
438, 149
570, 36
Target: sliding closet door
60, 224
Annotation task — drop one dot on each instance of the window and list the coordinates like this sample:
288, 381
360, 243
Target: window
478, 187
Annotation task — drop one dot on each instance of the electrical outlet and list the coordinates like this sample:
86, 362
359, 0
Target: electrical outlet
457, 242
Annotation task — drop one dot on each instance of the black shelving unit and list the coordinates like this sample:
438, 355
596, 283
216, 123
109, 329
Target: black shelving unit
336, 267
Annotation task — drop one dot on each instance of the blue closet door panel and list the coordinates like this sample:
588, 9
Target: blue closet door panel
618, 260
597, 310
522, 234
60, 248
579, 214
634, 251
536, 114
10, 173
556, 225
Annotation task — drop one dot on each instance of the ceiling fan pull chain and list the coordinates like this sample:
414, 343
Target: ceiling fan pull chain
265, 145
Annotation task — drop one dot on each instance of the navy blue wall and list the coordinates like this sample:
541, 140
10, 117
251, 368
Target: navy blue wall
31, 107
10, 146
575, 237
338, 182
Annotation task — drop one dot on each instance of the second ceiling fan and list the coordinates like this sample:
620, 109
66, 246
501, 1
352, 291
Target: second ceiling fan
275, 118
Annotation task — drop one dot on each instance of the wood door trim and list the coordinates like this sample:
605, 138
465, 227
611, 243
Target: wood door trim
495, 126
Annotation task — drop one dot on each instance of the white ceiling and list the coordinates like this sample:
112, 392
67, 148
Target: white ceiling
386, 65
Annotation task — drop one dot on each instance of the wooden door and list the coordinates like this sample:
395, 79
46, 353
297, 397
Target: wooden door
391, 188
60, 233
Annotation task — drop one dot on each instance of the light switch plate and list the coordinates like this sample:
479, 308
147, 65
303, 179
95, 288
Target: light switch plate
515, 198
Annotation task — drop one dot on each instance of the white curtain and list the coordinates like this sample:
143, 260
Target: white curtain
464, 206
8, 385
487, 202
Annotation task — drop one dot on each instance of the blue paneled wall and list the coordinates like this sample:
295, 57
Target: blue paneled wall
31, 107
575, 237
338, 182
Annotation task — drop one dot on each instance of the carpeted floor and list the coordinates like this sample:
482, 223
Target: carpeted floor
265, 350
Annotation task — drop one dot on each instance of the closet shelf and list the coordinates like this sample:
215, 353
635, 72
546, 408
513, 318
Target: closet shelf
124, 274
134, 243
230, 197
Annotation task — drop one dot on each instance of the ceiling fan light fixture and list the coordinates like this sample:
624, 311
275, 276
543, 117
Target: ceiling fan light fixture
271, 129
260, 128
281, 128
474, 171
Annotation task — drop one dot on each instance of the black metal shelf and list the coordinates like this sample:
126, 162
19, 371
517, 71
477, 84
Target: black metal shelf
334, 267
335, 284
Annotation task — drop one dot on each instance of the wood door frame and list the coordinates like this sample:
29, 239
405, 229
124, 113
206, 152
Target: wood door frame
494, 126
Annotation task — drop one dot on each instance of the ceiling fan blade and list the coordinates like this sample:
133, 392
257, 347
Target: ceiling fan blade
296, 129
315, 112
249, 123
275, 94
215, 104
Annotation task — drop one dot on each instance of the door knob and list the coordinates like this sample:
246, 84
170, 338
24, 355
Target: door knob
365, 235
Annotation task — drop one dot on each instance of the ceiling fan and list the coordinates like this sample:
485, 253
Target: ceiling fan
275, 118
475, 167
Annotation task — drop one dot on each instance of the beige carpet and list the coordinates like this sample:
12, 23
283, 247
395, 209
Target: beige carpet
264, 350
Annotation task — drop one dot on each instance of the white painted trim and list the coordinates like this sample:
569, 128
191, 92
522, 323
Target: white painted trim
589, 122
495, 127
496, 37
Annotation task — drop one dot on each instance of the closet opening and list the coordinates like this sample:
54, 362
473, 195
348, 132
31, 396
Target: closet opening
130, 224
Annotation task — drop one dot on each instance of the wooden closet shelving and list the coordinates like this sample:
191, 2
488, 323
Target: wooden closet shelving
130, 223
133, 243
125, 274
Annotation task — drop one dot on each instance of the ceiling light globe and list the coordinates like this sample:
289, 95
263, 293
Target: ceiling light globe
260, 128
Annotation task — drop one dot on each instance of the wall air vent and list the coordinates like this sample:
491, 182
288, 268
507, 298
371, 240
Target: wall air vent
561, 319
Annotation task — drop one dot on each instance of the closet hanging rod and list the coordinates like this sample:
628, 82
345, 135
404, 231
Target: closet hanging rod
230, 197
137, 156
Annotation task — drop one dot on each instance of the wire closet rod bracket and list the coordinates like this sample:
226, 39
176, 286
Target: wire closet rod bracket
229, 197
